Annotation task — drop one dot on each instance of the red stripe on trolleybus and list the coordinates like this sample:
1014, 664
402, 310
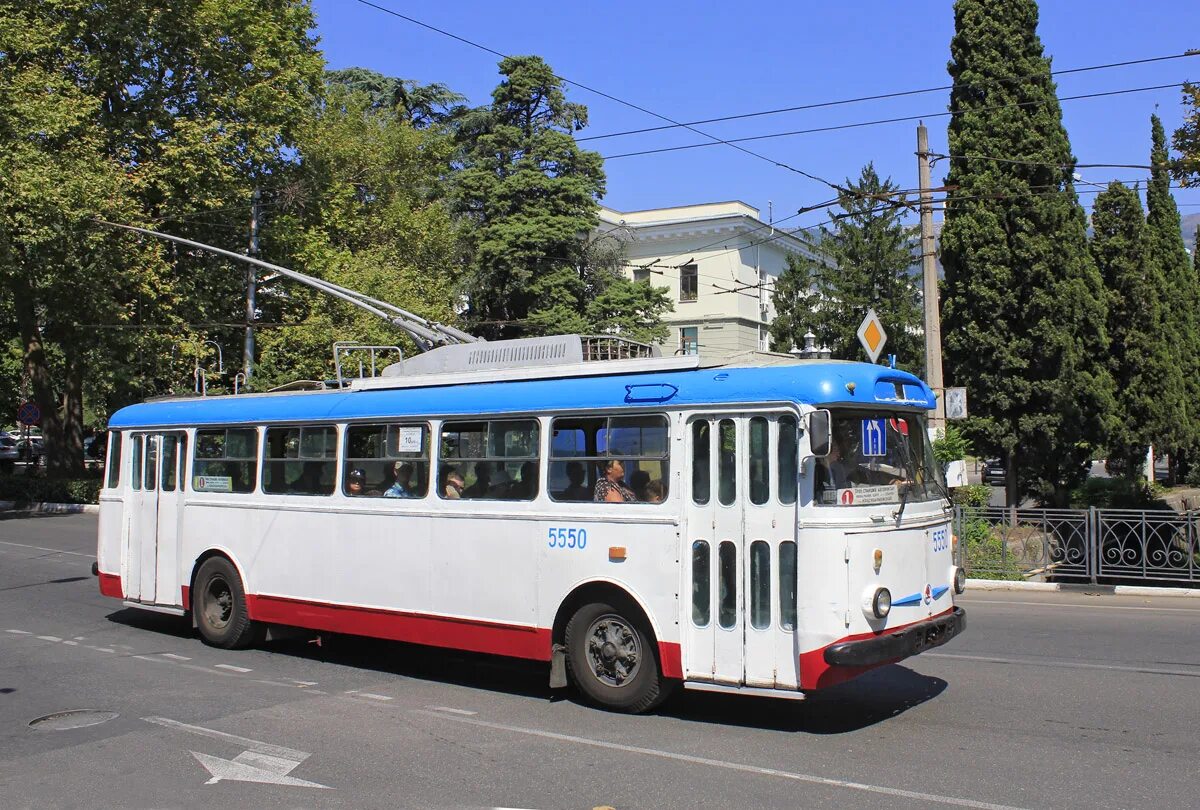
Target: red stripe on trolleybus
437, 631
110, 585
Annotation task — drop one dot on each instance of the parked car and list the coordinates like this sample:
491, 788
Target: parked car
8, 451
993, 472
31, 449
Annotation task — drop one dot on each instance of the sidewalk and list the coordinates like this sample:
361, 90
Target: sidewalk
1122, 590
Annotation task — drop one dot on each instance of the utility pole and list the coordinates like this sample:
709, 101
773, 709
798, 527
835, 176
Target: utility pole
933, 316
251, 283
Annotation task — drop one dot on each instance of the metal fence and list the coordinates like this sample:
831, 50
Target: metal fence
1079, 545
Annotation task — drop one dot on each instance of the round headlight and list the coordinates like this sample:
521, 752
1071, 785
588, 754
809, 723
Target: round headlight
960, 580
881, 604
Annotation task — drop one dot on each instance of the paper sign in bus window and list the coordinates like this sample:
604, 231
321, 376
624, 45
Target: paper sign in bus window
409, 439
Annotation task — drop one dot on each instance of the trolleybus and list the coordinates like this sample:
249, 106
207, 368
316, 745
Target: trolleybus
770, 528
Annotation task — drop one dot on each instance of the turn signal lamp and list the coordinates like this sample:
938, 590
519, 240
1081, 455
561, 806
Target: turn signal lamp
954, 544
616, 553
878, 559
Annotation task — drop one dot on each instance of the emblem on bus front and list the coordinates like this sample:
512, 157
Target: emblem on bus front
928, 594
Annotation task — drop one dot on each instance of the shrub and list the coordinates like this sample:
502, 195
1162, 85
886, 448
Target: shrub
1115, 493
26, 489
973, 495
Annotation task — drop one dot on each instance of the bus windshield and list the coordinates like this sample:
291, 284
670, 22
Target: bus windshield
877, 457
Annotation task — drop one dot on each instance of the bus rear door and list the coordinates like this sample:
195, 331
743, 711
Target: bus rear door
151, 556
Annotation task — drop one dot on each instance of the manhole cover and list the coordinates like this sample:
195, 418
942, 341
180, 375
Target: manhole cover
76, 718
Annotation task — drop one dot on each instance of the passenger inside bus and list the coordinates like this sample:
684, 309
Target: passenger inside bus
402, 486
656, 491
483, 481
577, 488
611, 487
356, 482
526, 488
454, 484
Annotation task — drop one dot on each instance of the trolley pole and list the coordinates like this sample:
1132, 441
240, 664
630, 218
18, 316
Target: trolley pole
933, 317
251, 291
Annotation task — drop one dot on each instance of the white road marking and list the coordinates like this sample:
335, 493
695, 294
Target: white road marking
19, 632
43, 548
249, 766
732, 766
303, 683
1054, 664
245, 742
71, 643
373, 696
101, 649
232, 668
50, 638
175, 657
463, 712
969, 602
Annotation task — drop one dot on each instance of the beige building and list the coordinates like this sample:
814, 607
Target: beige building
718, 260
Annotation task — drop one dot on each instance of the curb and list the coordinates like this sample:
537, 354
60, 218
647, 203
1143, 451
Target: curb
50, 508
1119, 590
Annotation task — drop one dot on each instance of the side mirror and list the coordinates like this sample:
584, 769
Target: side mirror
819, 433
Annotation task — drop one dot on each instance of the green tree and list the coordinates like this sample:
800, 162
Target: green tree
1024, 313
422, 105
529, 195
135, 112
868, 264
1168, 256
1140, 358
796, 303
1187, 137
365, 211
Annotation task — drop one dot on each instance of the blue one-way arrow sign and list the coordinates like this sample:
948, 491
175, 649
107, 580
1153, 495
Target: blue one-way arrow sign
874, 437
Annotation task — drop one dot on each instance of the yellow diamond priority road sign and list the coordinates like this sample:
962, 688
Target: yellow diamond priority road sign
872, 335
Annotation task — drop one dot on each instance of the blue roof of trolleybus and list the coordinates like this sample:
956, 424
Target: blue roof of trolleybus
813, 383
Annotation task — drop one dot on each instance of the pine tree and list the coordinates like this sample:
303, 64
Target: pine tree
1167, 253
1024, 313
530, 195
869, 256
1140, 356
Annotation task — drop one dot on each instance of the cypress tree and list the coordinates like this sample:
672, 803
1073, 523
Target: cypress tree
1165, 250
1024, 305
1140, 358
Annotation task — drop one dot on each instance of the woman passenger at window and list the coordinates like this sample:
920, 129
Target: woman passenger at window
611, 486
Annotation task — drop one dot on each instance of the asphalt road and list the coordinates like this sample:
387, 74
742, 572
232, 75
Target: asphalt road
1048, 700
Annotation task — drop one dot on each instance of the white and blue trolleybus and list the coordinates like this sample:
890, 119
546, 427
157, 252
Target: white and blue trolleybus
769, 527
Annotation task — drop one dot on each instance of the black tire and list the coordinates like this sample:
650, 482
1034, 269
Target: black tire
219, 607
613, 659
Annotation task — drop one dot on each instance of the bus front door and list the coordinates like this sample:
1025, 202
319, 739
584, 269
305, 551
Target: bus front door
151, 560
740, 571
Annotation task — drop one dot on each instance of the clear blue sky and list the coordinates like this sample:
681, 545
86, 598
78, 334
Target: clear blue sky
695, 60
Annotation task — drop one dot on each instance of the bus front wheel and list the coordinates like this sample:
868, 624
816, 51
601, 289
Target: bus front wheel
612, 659
219, 605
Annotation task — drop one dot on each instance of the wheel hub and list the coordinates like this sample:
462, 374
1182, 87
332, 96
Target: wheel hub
614, 652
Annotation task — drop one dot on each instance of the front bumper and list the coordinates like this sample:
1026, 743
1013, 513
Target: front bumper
912, 640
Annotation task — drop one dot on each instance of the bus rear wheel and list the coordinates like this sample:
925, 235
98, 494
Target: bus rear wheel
612, 659
219, 605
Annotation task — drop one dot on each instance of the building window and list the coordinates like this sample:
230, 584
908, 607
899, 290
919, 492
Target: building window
689, 340
641, 275
689, 286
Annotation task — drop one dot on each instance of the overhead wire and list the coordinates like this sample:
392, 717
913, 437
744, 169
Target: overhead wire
715, 140
899, 119
885, 96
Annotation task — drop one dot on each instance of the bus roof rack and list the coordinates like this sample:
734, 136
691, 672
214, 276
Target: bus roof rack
526, 358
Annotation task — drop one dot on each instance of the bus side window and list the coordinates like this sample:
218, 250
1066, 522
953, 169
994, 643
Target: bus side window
300, 460
582, 446
225, 460
786, 454
391, 460
495, 460
701, 455
114, 459
135, 475
760, 461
